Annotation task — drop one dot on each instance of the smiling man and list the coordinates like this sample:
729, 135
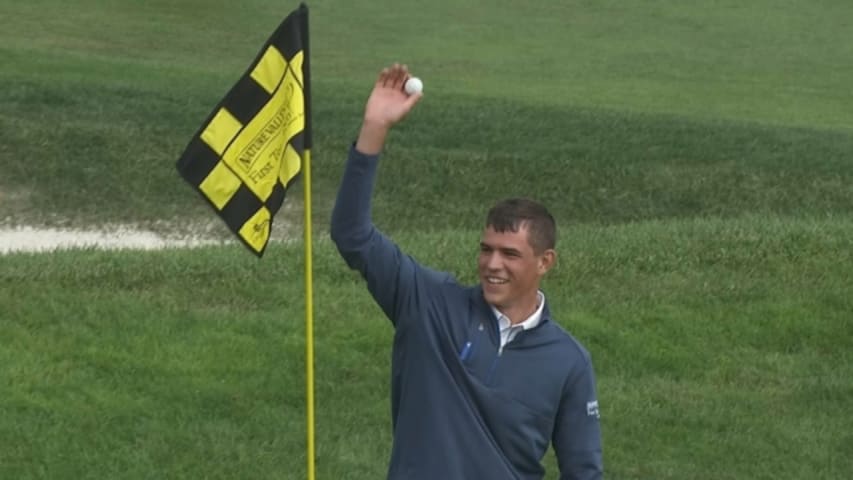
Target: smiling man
516, 250
483, 379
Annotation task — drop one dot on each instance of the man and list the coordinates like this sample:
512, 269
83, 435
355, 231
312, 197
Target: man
483, 380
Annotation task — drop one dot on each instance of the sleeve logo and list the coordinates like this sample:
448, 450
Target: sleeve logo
592, 409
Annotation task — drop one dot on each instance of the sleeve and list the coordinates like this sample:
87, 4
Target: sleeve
393, 278
577, 431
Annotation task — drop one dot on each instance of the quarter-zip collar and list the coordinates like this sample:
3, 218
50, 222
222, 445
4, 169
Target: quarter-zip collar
493, 326
507, 331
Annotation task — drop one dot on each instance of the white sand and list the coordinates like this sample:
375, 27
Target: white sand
29, 239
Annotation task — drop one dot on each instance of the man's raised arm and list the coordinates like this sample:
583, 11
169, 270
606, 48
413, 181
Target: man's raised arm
362, 246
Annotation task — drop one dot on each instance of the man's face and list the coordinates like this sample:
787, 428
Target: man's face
509, 268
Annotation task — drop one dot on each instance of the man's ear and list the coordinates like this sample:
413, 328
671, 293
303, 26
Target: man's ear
547, 260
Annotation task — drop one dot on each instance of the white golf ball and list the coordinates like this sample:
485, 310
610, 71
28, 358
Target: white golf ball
413, 85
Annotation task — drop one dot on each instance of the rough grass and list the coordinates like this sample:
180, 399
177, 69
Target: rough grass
697, 158
715, 342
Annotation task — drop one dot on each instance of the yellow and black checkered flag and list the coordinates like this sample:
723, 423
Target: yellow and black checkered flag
250, 148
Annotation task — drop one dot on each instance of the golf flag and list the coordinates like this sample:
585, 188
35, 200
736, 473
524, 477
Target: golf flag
251, 147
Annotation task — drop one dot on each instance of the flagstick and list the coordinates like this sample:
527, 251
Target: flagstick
309, 315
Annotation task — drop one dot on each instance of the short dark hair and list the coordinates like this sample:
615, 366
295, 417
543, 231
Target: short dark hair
514, 213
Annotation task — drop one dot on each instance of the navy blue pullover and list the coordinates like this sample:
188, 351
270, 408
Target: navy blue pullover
462, 409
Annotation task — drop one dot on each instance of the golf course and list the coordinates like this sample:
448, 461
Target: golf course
697, 157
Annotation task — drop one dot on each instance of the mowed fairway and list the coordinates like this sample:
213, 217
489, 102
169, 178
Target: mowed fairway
699, 159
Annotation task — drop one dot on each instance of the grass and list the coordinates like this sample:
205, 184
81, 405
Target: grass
663, 107
190, 364
697, 157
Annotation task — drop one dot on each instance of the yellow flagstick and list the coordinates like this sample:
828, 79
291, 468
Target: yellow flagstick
309, 315
245, 118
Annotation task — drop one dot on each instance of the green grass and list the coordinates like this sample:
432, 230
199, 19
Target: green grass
697, 157
781, 62
652, 111
730, 346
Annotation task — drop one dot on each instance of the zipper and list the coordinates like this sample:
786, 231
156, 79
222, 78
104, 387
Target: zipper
490, 376
500, 353
492, 368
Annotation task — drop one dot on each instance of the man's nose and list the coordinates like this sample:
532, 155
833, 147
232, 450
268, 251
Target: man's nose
493, 262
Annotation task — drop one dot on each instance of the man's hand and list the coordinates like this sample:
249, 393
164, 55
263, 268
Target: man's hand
387, 105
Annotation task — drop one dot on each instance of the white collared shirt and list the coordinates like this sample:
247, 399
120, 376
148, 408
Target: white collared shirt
509, 331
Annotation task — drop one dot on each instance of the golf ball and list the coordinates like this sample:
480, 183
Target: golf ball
414, 85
